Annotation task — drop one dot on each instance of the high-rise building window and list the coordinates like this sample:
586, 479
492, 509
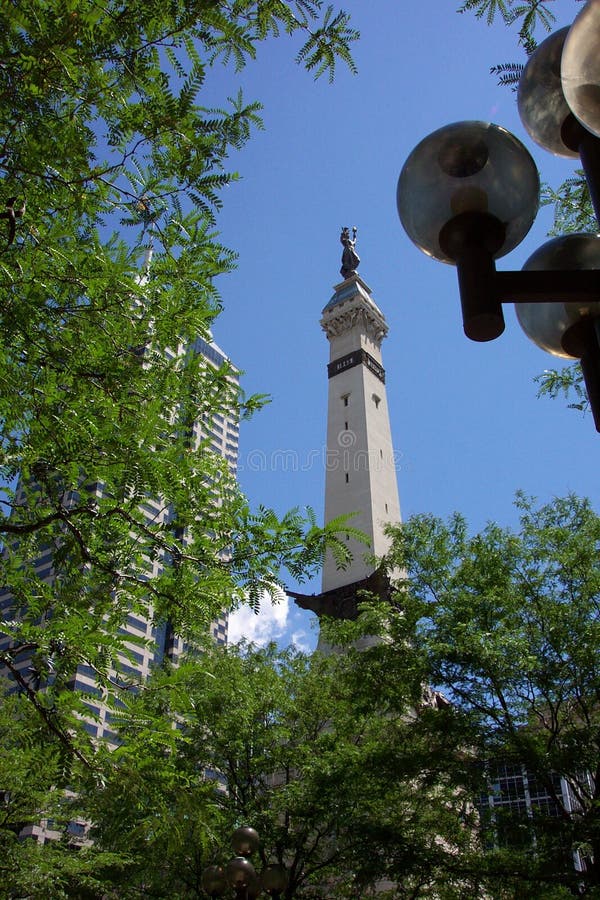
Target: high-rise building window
159, 639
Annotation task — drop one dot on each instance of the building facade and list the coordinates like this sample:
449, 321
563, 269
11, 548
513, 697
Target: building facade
360, 478
517, 802
151, 643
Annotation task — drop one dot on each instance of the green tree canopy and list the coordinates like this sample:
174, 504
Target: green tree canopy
109, 157
106, 154
507, 625
325, 756
357, 775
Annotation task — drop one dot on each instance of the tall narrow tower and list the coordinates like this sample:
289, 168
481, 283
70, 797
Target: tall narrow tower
360, 462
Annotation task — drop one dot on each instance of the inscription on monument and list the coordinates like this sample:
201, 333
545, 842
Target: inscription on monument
356, 358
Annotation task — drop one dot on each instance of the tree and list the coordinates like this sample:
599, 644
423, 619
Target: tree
527, 16
107, 157
35, 773
573, 211
103, 129
352, 770
325, 757
507, 625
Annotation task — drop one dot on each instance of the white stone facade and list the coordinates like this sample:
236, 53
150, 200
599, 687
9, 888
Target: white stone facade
361, 474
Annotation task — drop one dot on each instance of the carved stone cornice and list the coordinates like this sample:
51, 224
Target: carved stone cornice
352, 313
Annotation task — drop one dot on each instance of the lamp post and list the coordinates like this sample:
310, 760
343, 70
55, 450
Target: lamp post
240, 875
469, 193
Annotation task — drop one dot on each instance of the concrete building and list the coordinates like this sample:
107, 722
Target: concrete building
517, 801
151, 643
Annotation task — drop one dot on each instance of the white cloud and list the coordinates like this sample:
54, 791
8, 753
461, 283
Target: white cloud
278, 620
269, 624
305, 641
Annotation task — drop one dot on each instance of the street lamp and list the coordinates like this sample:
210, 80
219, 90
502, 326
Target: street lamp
214, 882
581, 67
274, 880
240, 875
469, 193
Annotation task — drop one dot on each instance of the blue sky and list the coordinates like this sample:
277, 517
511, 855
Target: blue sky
468, 429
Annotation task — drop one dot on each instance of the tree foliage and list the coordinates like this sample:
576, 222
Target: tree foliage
325, 757
107, 154
358, 777
507, 625
529, 17
109, 157
36, 772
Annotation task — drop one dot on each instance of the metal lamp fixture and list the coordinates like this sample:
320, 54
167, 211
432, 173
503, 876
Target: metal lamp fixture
274, 880
245, 841
469, 193
544, 109
240, 875
580, 67
214, 882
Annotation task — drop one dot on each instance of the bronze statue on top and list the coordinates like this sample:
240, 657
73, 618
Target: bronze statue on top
350, 258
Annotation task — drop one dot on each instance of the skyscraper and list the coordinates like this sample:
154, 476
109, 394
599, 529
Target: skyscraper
150, 642
360, 474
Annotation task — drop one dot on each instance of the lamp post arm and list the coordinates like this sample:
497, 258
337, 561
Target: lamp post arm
470, 240
582, 286
589, 152
548, 286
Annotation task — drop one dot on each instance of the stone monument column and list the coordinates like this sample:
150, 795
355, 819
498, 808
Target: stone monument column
360, 473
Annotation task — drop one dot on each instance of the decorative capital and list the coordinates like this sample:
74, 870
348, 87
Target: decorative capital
353, 313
